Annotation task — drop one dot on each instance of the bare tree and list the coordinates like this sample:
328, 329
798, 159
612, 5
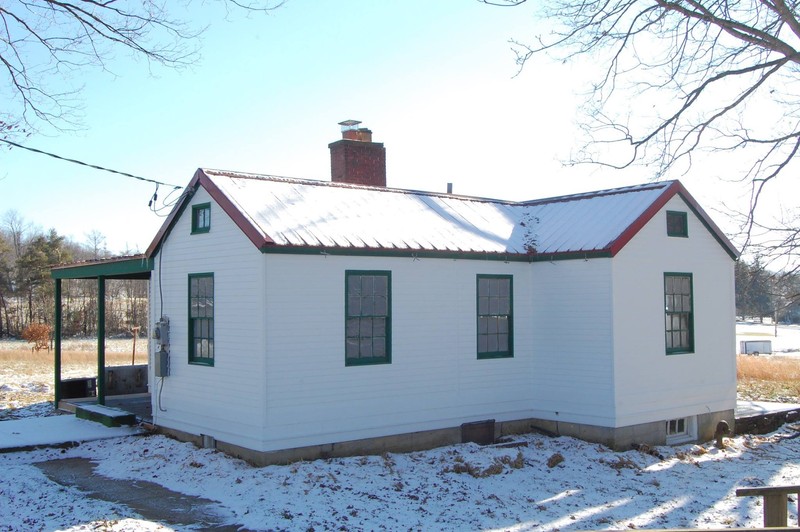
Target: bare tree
42, 42
715, 76
96, 244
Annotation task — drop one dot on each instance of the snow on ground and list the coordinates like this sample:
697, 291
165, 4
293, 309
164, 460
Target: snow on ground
787, 341
545, 484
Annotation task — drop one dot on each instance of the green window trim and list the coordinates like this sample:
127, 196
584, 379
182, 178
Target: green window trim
679, 313
367, 317
201, 218
201, 319
677, 224
494, 295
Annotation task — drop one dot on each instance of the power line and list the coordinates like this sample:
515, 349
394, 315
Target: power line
96, 167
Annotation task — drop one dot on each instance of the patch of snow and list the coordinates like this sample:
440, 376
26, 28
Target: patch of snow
786, 343
460, 487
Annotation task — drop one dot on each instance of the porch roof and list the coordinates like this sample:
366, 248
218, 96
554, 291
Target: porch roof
131, 267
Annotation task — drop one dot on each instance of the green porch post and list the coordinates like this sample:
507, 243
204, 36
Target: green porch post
57, 349
101, 340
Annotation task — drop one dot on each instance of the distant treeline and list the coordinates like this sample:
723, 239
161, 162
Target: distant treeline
762, 293
27, 291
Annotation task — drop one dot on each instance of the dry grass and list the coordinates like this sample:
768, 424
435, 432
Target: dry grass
771, 378
26, 378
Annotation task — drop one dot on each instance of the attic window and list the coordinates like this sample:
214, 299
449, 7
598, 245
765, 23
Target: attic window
677, 224
201, 218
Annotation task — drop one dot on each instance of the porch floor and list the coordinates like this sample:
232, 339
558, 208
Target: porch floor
137, 404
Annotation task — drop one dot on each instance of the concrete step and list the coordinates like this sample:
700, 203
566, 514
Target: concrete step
108, 416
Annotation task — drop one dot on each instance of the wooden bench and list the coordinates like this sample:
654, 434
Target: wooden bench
775, 500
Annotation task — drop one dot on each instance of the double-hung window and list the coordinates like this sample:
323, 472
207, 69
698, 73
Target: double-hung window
201, 318
495, 316
679, 312
368, 317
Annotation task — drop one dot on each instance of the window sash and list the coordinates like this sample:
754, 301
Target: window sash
201, 218
201, 318
677, 224
495, 320
368, 305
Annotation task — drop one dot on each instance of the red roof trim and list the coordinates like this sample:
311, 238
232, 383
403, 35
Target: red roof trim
200, 179
166, 227
674, 188
256, 236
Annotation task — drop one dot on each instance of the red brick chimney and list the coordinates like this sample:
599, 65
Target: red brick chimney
356, 159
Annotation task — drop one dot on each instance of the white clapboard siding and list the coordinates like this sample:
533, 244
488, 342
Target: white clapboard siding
572, 341
651, 385
435, 379
225, 401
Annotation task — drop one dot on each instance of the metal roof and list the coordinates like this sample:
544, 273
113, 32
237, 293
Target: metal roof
279, 213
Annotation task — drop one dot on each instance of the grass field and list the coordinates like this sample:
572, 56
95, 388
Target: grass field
772, 378
26, 378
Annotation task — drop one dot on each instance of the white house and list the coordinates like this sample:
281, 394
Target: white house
310, 318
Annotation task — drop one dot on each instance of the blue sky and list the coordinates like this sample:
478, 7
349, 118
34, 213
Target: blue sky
434, 81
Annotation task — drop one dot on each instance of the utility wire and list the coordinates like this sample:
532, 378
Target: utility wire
75, 161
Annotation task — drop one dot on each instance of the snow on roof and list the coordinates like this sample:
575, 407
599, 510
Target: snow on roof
279, 213
293, 212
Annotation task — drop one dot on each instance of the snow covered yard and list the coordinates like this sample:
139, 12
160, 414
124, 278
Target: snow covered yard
786, 343
544, 484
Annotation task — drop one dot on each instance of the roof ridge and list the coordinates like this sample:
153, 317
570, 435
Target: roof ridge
600, 193
319, 182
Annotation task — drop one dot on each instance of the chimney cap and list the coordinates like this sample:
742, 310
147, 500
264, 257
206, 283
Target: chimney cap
349, 125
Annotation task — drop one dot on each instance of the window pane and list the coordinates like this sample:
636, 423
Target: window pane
352, 327
365, 328
684, 285
492, 325
492, 345
379, 347
483, 305
381, 285
483, 343
381, 307
367, 282
365, 347
494, 305
354, 306
502, 324
505, 306
483, 325
502, 342
379, 327
351, 348
494, 287
367, 305
505, 287
354, 285
483, 287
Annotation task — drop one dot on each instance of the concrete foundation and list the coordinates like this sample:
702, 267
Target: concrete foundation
618, 439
